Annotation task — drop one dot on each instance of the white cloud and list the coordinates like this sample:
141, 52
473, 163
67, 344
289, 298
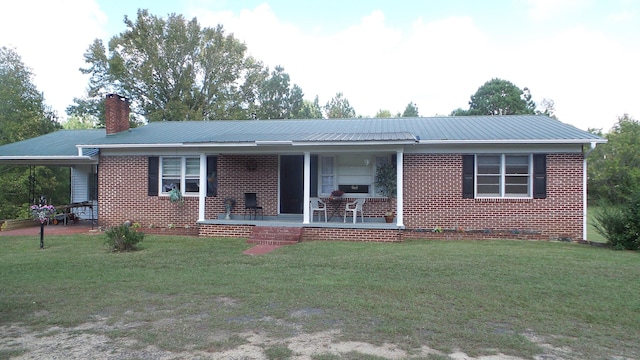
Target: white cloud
51, 37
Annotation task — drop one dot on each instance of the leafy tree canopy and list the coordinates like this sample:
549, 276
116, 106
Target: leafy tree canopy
383, 114
499, 97
411, 110
276, 97
309, 110
339, 108
173, 69
23, 113
614, 167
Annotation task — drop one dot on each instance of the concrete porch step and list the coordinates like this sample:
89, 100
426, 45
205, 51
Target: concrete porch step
275, 235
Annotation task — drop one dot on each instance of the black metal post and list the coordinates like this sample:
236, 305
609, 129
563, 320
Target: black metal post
41, 235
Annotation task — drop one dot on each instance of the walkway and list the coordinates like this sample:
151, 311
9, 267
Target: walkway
83, 227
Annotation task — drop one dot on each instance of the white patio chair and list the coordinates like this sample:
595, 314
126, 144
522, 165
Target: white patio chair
354, 207
316, 204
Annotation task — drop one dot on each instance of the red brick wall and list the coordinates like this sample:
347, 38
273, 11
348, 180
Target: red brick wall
122, 195
374, 235
433, 198
235, 179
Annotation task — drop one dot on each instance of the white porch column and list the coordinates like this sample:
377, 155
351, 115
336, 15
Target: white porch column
306, 188
202, 194
400, 188
584, 199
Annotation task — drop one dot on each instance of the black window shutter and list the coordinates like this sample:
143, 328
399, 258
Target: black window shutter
468, 178
154, 172
539, 176
314, 176
212, 176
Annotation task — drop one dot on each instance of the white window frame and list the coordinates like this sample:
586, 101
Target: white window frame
502, 176
321, 175
183, 176
372, 161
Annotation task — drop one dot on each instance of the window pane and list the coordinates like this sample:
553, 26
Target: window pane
516, 180
169, 183
193, 167
486, 169
516, 190
170, 167
517, 164
489, 164
327, 166
192, 185
488, 190
488, 180
489, 160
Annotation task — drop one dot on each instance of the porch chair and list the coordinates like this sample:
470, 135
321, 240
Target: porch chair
251, 204
316, 204
354, 207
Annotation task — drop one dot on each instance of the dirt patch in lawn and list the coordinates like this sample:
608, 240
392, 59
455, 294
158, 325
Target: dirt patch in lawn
91, 341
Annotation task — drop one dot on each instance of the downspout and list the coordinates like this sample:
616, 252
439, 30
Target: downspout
584, 190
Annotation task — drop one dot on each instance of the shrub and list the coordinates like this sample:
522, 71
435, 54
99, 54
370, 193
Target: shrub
620, 225
123, 238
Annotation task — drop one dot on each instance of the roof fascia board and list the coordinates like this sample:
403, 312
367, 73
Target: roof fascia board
48, 160
494, 148
513, 141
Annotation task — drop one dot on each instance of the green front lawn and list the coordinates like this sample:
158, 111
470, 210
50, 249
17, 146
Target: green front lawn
482, 297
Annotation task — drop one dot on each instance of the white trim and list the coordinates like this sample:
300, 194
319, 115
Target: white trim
513, 141
585, 205
202, 195
503, 175
273, 142
400, 188
306, 188
182, 175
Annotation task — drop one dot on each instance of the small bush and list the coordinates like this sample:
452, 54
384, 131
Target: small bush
123, 238
620, 225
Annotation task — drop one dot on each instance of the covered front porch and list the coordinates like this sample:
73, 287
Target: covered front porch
285, 184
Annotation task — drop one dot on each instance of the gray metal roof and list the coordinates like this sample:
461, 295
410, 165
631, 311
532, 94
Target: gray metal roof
60, 143
435, 130
526, 128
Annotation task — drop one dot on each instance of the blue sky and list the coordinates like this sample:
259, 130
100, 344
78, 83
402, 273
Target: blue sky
381, 54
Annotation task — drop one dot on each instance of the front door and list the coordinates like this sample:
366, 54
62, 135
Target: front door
291, 184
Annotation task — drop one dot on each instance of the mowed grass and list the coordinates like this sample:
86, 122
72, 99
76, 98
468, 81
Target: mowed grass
481, 297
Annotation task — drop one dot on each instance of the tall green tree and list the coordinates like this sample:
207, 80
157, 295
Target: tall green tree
309, 110
614, 167
383, 114
23, 115
499, 97
23, 112
174, 69
277, 98
411, 110
339, 108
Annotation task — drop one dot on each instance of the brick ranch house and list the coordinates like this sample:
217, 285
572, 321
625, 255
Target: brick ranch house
518, 176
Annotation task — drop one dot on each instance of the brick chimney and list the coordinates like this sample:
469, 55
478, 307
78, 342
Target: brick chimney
116, 114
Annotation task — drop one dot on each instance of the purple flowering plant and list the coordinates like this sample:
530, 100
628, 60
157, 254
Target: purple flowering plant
42, 212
